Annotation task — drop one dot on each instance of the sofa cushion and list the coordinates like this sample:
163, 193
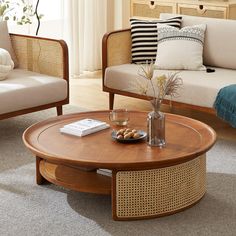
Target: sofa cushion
199, 87
6, 63
25, 89
220, 38
5, 41
144, 38
180, 49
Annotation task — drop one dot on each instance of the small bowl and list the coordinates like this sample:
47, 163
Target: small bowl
142, 134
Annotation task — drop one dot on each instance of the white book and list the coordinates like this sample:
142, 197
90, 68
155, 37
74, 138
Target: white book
106, 172
86, 131
86, 124
79, 133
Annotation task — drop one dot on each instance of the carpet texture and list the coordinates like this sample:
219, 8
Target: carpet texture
29, 209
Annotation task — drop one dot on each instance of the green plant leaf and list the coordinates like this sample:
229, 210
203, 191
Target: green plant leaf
2, 10
19, 11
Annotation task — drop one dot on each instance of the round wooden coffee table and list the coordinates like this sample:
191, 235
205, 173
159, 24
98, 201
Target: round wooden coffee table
146, 181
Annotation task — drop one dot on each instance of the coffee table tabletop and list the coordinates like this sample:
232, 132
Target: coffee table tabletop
146, 181
185, 139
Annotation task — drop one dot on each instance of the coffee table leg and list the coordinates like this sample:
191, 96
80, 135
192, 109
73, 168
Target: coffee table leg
39, 178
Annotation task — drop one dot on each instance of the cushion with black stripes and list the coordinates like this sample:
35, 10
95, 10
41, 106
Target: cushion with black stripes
144, 38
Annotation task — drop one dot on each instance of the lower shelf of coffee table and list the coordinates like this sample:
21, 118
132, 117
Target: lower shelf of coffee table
75, 179
136, 194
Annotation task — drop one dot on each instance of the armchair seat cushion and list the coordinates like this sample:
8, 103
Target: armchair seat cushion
199, 88
25, 89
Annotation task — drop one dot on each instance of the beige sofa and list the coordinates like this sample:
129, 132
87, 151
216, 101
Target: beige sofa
200, 88
40, 80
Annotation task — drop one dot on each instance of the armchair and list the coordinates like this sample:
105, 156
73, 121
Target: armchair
41, 79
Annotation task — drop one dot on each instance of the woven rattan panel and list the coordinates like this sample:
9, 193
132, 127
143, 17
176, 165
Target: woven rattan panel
145, 11
119, 48
207, 13
43, 56
160, 191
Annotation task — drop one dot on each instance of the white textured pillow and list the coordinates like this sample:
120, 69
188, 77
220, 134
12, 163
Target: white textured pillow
180, 49
6, 63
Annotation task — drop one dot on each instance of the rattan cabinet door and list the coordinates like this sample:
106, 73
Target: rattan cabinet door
203, 10
152, 9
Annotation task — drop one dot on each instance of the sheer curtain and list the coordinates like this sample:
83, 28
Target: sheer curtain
84, 27
86, 21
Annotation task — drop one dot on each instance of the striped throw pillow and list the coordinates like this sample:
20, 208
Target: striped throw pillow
144, 38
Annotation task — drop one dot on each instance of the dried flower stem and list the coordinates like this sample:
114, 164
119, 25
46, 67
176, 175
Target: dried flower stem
166, 85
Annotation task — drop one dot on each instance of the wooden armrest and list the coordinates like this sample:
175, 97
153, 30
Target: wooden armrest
42, 55
116, 48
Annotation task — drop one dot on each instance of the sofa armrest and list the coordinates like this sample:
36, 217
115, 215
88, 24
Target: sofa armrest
116, 48
42, 55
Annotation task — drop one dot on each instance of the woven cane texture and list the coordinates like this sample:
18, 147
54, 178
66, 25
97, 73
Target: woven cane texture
160, 191
119, 48
39, 55
144, 10
207, 13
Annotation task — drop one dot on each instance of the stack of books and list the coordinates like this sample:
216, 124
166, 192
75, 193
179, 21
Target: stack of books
84, 127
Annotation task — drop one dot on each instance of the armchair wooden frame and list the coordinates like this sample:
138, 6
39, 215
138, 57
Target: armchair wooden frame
54, 62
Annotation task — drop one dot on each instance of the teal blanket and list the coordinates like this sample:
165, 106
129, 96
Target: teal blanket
225, 104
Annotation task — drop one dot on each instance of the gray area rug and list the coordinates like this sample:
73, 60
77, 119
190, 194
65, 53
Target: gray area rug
29, 209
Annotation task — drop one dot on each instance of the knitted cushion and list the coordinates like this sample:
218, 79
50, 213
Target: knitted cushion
5, 41
6, 63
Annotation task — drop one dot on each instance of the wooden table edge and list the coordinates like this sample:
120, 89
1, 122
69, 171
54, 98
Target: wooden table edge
124, 166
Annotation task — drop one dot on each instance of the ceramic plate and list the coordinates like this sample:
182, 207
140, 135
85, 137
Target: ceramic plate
143, 135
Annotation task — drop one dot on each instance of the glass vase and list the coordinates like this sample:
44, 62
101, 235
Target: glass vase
156, 125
